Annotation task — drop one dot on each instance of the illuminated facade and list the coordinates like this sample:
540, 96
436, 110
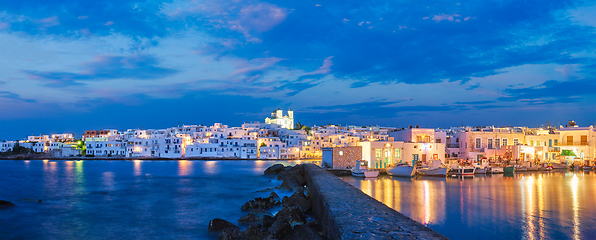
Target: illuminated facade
277, 117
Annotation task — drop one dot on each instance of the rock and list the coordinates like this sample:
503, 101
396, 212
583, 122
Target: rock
218, 224
268, 221
291, 214
6, 204
304, 231
275, 169
231, 234
299, 199
250, 218
280, 229
293, 179
255, 232
274, 196
262, 203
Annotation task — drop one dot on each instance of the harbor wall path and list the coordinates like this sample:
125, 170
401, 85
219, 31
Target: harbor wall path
345, 212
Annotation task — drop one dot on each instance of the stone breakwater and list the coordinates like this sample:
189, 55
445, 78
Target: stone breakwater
345, 212
292, 222
341, 212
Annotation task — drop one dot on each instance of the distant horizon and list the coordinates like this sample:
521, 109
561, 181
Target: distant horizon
68, 66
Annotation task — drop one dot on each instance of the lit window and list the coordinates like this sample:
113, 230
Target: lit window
341, 153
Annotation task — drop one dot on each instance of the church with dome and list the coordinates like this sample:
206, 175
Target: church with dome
278, 118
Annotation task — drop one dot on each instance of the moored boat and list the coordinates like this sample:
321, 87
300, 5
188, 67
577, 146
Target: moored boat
463, 171
532, 168
558, 166
587, 168
509, 169
480, 170
521, 169
402, 170
437, 172
494, 170
357, 171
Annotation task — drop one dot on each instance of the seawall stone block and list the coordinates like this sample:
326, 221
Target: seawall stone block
345, 212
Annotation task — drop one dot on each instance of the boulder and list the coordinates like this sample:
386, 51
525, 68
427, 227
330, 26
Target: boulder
279, 229
274, 196
304, 231
255, 232
262, 203
6, 204
218, 224
275, 169
231, 234
268, 221
292, 214
293, 178
298, 199
250, 218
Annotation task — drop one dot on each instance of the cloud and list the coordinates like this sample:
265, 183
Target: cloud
566, 71
448, 17
107, 67
49, 22
474, 102
325, 69
477, 85
109, 23
552, 91
14, 96
265, 64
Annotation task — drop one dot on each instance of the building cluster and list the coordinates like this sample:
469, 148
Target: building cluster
276, 138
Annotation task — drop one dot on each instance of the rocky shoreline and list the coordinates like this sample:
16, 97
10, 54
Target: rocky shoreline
292, 222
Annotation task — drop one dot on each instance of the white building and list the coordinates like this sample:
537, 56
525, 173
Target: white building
277, 117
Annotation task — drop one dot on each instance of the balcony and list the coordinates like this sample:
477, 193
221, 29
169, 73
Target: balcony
572, 144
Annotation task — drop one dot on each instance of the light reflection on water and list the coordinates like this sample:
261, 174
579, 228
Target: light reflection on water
552, 205
126, 200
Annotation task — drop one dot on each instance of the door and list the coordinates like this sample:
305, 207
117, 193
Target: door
415, 159
424, 158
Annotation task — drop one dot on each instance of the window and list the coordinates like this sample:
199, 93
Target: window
504, 140
341, 153
397, 153
556, 142
490, 143
569, 139
531, 142
478, 143
550, 142
584, 138
515, 141
438, 140
497, 143
378, 153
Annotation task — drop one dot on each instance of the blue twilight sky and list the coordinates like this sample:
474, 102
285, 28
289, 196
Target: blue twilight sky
76, 65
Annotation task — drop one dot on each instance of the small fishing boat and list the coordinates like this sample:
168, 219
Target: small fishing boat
510, 169
358, 171
532, 168
495, 170
587, 168
521, 169
480, 170
558, 166
401, 170
463, 171
437, 172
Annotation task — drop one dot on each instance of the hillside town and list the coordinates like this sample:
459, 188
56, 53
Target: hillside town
280, 137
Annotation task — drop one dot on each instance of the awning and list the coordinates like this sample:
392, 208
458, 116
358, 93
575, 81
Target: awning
567, 153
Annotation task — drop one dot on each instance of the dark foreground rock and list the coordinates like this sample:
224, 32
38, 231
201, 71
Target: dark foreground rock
262, 203
231, 234
306, 231
275, 169
255, 232
293, 178
6, 204
218, 224
298, 199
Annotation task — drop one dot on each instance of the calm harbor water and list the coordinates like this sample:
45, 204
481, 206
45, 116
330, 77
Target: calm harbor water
555, 205
126, 199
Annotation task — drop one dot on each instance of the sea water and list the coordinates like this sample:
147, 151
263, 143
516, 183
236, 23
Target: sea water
126, 199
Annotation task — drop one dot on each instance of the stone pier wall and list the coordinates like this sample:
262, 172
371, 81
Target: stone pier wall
345, 212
